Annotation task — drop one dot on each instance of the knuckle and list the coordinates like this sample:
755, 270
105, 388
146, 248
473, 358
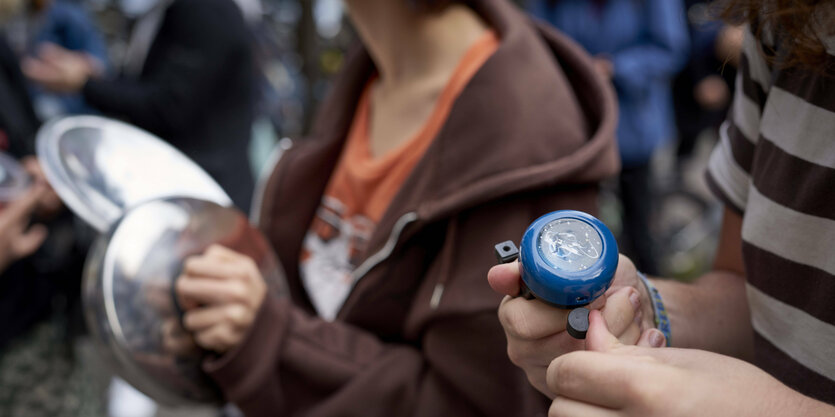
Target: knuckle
554, 373
204, 339
188, 321
516, 322
238, 315
514, 354
238, 291
189, 264
641, 393
181, 286
240, 271
559, 373
231, 339
227, 336
250, 264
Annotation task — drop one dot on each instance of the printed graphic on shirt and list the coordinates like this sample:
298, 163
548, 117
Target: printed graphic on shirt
330, 254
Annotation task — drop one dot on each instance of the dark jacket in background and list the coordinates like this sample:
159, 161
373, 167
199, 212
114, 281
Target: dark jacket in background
196, 90
533, 131
18, 122
49, 279
24, 299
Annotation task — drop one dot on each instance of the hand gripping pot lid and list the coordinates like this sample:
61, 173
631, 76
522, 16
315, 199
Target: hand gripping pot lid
568, 258
14, 180
129, 299
100, 167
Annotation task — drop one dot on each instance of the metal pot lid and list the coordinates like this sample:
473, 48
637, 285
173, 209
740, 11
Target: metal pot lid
128, 295
14, 180
100, 167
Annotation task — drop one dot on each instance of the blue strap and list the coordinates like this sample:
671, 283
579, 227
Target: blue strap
662, 321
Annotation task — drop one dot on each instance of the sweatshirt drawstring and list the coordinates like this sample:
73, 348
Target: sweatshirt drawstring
446, 263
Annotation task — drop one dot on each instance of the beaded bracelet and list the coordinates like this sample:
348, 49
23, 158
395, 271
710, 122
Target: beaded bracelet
662, 321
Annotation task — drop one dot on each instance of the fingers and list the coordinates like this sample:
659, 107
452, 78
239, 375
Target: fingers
18, 211
620, 310
222, 252
32, 167
504, 278
219, 338
565, 407
539, 353
221, 263
51, 53
28, 242
652, 338
531, 319
196, 291
592, 377
203, 318
37, 69
631, 335
599, 338
175, 340
207, 267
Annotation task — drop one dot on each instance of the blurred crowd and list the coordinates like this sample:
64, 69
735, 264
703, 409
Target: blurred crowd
560, 95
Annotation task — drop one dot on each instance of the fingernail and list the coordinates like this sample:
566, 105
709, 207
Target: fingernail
638, 316
635, 299
656, 339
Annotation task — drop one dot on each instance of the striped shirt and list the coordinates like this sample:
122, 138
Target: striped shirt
775, 164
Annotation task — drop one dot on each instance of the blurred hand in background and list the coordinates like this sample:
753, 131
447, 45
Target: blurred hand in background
17, 238
49, 204
60, 70
712, 93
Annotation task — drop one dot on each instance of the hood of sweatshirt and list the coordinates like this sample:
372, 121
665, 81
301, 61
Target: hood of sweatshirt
535, 116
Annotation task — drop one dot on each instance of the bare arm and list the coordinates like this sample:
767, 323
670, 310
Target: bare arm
712, 312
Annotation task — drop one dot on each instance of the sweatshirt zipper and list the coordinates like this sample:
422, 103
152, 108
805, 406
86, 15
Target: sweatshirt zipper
283, 145
387, 249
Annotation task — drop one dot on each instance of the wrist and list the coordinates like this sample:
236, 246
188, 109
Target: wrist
660, 317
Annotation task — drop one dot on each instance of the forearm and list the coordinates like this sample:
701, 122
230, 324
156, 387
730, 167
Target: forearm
295, 363
815, 408
710, 314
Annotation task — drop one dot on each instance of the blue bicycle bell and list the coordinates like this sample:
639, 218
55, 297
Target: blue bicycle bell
568, 258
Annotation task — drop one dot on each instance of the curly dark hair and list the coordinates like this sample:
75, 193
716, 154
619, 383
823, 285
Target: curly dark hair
800, 26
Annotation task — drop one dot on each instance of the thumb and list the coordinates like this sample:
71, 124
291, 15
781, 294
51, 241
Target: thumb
27, 243
598, 337
504, 278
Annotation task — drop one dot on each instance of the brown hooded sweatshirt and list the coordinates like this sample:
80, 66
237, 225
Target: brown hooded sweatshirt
532, 132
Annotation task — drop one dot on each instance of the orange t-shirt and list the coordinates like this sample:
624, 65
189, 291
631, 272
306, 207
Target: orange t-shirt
362, 187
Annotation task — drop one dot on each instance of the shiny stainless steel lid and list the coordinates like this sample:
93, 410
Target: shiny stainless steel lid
14, 180
129, 299
100, 167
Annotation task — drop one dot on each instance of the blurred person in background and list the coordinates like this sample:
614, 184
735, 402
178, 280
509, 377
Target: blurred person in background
702, 90
40, 270
768, 299
188, 77
639, 46
67, 24
453, 126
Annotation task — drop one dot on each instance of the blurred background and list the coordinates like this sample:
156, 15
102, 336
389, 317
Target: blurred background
298, 45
